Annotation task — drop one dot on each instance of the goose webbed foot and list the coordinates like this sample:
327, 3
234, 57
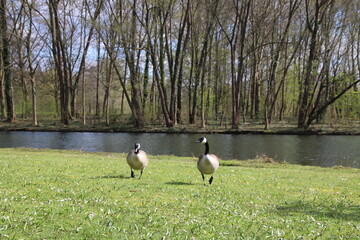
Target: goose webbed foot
133, 174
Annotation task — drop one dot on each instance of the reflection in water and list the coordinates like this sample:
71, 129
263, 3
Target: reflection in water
305, 150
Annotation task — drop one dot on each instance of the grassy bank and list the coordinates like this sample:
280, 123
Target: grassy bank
73, 195
346, 128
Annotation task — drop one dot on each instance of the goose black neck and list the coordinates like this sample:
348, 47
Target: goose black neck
137, 150
206, 148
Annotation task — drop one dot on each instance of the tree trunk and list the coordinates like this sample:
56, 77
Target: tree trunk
98, 69
200, 62
83, 98
146, 82
241, 28
319, 110
165, 110
108, 80
2, 95
202, 99
313, 27
33, 98
6, 60
59, 54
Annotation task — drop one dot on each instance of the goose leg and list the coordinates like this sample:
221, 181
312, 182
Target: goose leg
132, 173
211, 179
203, 177
140, 174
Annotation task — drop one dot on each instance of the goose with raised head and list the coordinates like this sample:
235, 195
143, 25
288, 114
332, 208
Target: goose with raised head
137, 160
207, 163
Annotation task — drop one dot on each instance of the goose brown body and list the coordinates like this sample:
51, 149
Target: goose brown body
207, 163
137, 160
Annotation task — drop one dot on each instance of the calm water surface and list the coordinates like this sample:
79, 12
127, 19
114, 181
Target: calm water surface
305, 150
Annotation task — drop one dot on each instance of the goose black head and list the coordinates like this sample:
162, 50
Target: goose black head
137, 147
201, 140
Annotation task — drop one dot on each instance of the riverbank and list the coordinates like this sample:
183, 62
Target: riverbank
70, 194
248, 128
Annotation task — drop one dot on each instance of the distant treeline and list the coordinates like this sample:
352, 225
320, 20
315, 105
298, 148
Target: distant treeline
181, 61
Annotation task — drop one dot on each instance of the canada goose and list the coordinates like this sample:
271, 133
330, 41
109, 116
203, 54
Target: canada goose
137, 160
207, 163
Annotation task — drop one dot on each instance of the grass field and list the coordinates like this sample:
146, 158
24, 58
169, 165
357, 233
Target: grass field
51, 194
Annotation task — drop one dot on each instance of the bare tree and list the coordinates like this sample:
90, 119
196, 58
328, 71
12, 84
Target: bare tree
124, 36
236, 40
87, 41
155, 47
316, 96
61, 65
230, 60
33, 50
278, 47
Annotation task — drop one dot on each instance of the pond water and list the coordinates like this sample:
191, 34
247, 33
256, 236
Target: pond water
324, 150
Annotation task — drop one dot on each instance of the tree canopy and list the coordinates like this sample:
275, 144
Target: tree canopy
180, 61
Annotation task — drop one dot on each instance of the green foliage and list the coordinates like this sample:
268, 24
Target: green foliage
51, 194
349, 105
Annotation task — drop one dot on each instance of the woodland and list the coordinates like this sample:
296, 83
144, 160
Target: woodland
171, 62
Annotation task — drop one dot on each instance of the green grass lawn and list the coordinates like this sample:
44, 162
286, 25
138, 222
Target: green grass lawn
50, 194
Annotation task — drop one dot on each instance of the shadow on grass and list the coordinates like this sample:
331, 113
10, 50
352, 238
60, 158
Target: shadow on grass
340, 210
180, 183
121, 176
